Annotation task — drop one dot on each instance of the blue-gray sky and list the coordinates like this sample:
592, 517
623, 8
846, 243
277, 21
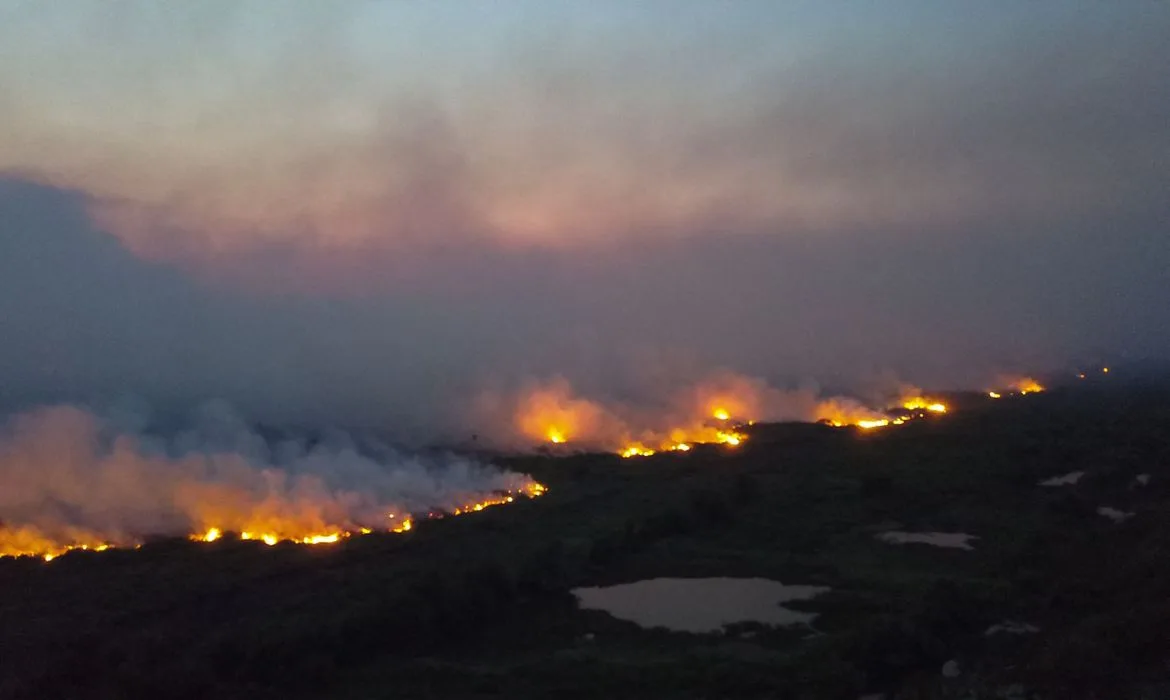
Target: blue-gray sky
367, 210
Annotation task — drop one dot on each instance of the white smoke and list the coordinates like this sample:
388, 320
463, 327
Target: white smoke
72, 476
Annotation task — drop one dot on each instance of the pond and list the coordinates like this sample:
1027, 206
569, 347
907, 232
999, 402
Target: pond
700, 604
956, 540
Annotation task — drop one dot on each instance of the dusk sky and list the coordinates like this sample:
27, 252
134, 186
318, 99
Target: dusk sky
367, 212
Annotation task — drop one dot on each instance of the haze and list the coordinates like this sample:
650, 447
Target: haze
371, 213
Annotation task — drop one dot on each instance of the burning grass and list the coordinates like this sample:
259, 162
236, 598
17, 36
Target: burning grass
29, 542
72, 482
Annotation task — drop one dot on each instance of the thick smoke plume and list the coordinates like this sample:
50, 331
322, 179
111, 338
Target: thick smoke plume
73, 477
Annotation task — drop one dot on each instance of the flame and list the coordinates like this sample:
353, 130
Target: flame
727, 438
636, 450
921, 403
26, 542
710, 413
1028, 385
1105, 370
1017, 385
30, 541
66, 487
842, 412
552, 414
403, 526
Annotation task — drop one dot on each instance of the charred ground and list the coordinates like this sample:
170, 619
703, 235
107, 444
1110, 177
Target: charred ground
479, 606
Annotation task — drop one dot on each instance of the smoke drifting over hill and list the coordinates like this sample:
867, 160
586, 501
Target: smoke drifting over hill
377, 215
83, 319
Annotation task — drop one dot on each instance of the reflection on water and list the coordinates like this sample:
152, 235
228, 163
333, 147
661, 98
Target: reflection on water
1066, 480
700, 604
1113, 514
956, 540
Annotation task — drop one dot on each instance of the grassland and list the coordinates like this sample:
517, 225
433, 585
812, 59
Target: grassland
479, 606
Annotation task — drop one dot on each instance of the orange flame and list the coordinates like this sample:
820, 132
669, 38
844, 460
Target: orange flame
22, 542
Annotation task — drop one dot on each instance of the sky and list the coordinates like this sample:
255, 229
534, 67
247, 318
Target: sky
368, 212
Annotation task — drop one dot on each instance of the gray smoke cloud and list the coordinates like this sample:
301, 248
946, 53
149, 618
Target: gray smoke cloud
84, 320
938, 197
72, 476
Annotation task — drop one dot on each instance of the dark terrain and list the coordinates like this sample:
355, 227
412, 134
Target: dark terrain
479, 606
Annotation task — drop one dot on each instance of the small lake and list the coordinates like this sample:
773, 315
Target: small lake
700, 604
955, 540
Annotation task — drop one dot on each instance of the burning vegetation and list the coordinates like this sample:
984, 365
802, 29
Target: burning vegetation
73, 482
715, 412
1011, 386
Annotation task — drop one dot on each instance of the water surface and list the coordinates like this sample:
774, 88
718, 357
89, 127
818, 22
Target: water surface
700, 604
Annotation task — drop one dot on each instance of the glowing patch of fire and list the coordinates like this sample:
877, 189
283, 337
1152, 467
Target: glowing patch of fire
919, 403
22, 543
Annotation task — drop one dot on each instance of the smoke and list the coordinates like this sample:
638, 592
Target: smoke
705, 410
75, 477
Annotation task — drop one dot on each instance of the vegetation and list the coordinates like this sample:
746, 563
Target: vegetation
479, 606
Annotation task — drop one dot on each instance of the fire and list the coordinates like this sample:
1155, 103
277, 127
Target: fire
70, 481
637, 450
727, 438
25, 542
532, 490
919, 403
683, 440
721, 414
552, 414
403, 526
30, 541
1028, 386
842, 412
1017, 385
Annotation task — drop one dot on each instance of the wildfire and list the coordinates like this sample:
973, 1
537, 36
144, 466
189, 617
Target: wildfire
919, 403
637, 450
840, 413
1028, 386
728, 438
712, 412
682, 440
1021, 385
27, 542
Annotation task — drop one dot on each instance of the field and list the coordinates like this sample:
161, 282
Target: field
479, 606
